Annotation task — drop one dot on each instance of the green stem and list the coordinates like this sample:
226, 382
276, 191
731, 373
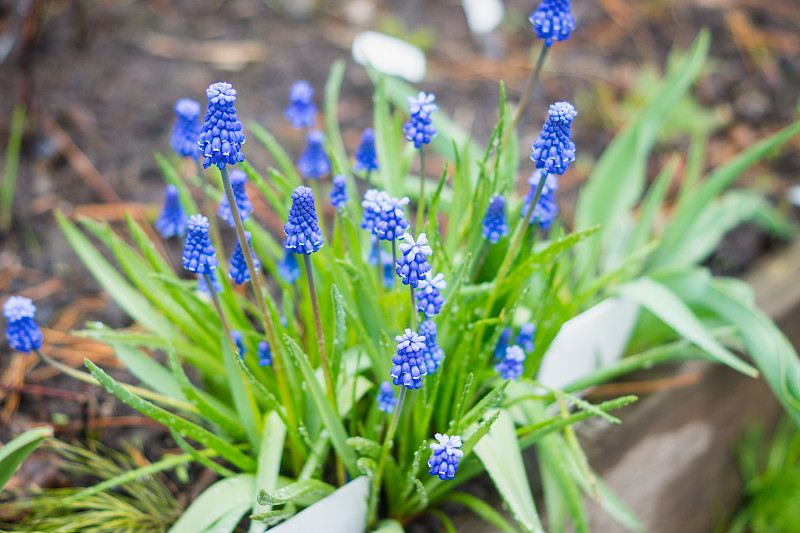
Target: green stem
527, 91
394, 252
367, 176
387, 444
413, 308
421, 199
481, 260
323, 357
216, 237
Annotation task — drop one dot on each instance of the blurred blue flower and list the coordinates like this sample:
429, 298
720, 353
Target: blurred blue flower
186, 130
429, 294
432, 353
238, 271
419, 128
511, 366
553, 20
525, 337
172, 219
366, 157
302, 230
502, 343
409, 363
199, 255
239, 186
388, 278
22, 331
494, 222
314, 162
413, 265
238, 340
553, 150
391, 222
264, 354
339, 192
546, 208
445, 457
387, 399
301, 112
222, 136
202, 287
374, 254
373, 205
288, 269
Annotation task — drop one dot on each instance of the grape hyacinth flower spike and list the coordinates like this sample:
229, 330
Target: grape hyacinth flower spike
238, 340
494, 222
221, 138
199, 255
314, 162
525, 337
553, 21
22, 331
301, 112
366, 157
386, 398
409, 362
502, 343
239, 185
373, 205
554, 150
445, 457
339, 192
388, 277
413, 265
512, 365
433, 354
546, 209
186, 130
391, 222
419, 129
429, 294
172, 219
239, 272
202, 286
288, 269
264, 354
303, 235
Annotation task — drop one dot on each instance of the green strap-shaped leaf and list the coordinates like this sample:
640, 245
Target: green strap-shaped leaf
269, 464
15, 452
309, 489
231, 496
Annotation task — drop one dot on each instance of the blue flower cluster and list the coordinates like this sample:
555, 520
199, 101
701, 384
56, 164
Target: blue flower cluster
525, 337
386, 398
419, 128
202, 287
302, 230
199, 255
239, 186
502, 343
432, 353
494, 222
546, 209
429, 294
372, 205
366, 156
221, 138
413, 265
238, 340
553, 20
288, 269
388, 278
314, 162
339, 192
512, 365
554, 150
264, 354
445, 457
22, 331
186, 129
301, 112
391, 222
238, 271
172, 219
409, 362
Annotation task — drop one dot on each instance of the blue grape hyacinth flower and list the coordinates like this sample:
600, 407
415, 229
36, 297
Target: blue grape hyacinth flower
553, 20
366, 157
172, 219
409, 362
238, 271
554, 150
388, 277
419, 128
373, 205
512, 364
301, 112
525, 337
429, 294
546, 209
22, 331
339, 192
386, 398
445, 457
199, 255
264, 354
494, 222
502, 343
302, 230
239, 186
433, 354
186, 130
413, 264
238, 340
288, 269
314, 162
391, 222
202, 286
374, 254
221, 138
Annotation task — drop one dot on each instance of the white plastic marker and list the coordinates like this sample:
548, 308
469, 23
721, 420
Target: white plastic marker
483, 15
389, 55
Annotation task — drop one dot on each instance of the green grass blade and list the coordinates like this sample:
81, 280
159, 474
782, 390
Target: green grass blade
13, 453
269, 463
232, 495
482, 509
